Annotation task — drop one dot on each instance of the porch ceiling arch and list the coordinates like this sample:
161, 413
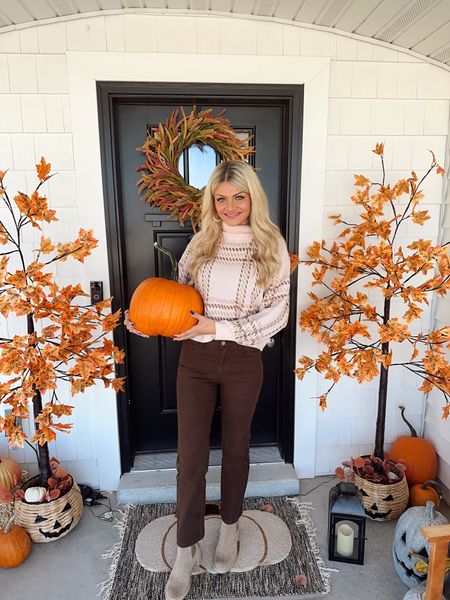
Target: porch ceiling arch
420, 27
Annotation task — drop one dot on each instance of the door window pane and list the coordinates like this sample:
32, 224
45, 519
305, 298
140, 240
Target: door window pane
201, 161
242, 134
180, 165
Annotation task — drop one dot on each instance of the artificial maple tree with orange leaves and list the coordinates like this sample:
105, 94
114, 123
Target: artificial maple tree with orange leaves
64, 339
356, 333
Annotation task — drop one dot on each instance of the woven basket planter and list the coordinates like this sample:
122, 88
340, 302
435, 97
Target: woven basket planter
6, 511
49, 521
383, 502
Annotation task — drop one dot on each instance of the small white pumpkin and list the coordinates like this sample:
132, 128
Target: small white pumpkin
35, 494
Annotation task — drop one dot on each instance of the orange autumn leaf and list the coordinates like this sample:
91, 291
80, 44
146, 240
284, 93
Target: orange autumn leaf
118, 384
386, 359
43, 169
379, 149
426, 387
420, 217
35, 208
294, 261
46, 245
3, 235
323, 402
62, 409
414, 312
440, 335
394, 331
314, 251
360, 180
402, 187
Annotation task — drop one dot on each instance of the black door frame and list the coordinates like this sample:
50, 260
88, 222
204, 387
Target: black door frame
291, 96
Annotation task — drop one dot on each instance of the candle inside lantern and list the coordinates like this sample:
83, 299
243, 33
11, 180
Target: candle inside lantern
345, 538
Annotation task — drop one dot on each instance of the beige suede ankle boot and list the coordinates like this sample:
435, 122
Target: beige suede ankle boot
227, 548
179, 582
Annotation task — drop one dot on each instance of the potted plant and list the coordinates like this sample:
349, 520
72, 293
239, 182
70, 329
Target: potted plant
63, 340
356, 334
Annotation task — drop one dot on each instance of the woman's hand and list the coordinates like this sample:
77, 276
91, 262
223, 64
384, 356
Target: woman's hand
130, 325
204, 325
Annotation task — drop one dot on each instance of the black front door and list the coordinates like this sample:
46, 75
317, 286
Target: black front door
151, 363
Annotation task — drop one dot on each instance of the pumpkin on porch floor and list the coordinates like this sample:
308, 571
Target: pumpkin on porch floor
15, 545
421, 493
416, 453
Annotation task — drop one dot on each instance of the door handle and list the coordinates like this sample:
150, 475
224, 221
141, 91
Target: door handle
270, 343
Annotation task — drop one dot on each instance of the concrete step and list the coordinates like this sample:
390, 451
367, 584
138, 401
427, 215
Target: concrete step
152, 487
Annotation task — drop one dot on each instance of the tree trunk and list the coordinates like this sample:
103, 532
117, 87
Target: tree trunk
382, 391
44, 459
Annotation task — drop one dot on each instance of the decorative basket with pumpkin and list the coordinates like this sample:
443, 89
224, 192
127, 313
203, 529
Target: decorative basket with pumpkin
382, 483
52, 520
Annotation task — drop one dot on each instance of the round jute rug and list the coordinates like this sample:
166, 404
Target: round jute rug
264, 539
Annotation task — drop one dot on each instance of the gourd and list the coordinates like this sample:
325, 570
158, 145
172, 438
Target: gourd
35, 494
417, 454
15, 545
421, 493
10, 474
161, 306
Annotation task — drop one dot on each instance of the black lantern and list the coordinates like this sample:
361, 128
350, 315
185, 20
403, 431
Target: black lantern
346, 524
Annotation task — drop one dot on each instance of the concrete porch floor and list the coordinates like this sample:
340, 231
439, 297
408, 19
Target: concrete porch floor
72, 567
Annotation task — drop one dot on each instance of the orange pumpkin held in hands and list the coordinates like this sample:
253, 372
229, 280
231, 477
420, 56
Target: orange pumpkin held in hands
15, 545
161, 306
416, 453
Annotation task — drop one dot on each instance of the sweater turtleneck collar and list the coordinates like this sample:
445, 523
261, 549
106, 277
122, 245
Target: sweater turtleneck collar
237, 233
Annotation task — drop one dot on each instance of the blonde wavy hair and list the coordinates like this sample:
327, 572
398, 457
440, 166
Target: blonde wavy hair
266, 234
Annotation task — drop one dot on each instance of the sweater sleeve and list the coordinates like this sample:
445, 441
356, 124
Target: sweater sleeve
272, 318
183, 266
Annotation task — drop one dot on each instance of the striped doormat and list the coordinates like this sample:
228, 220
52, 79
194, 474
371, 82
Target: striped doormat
301, 573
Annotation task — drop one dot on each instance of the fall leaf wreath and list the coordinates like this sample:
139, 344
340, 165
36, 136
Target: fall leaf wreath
161, 183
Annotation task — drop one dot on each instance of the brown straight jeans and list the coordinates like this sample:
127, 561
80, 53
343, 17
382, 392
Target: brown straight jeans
236, 371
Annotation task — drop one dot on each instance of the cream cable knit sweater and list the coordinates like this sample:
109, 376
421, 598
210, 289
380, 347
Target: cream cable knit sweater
244, 312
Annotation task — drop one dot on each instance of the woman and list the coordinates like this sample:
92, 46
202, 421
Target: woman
240, 265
